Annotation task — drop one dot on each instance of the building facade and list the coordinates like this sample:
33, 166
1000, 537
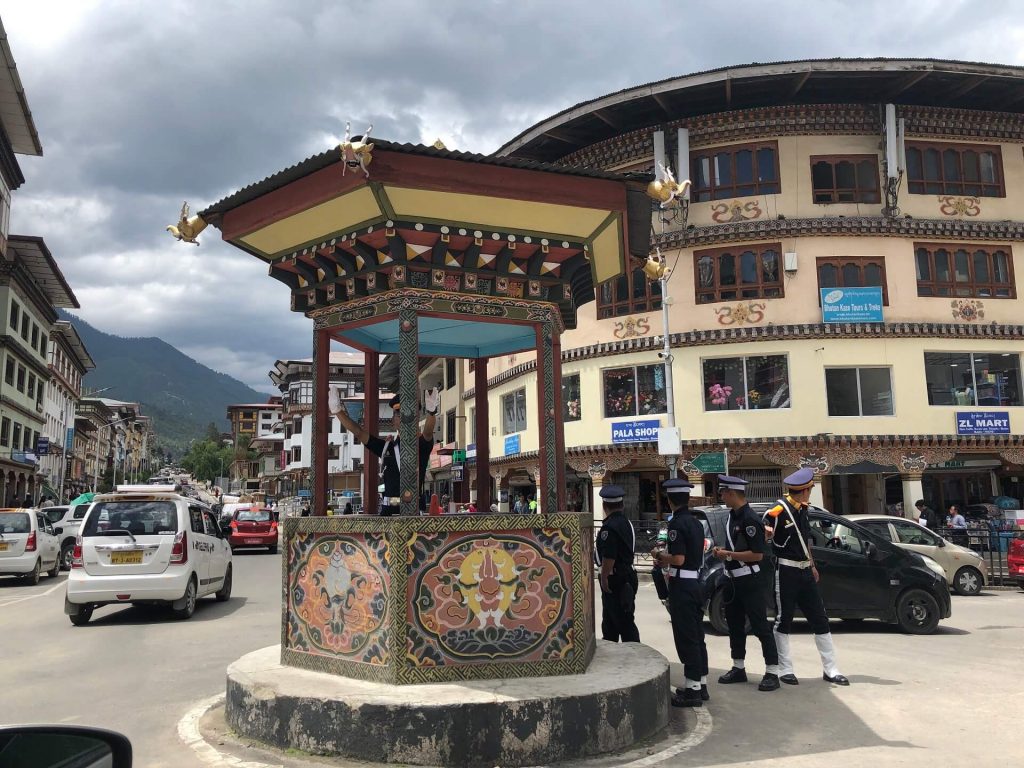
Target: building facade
69, 362
842, 288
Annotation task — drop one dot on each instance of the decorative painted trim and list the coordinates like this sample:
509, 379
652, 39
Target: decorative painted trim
950, 205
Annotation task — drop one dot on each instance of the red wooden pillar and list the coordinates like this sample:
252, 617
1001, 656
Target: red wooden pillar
556, 354
483, 441
321, 426
371, 417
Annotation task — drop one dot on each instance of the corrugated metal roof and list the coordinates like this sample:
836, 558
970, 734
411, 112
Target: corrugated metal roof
33, 253
15, 115
331, 156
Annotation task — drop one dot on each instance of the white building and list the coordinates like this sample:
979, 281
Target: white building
69, 360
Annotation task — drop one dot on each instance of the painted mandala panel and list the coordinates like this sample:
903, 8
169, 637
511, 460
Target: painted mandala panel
484, 597
338, 596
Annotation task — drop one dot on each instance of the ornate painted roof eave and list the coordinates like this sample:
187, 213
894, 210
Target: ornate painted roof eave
929, 82
809, 331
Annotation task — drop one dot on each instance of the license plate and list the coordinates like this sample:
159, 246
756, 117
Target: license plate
254, 541
4, 546
126, 558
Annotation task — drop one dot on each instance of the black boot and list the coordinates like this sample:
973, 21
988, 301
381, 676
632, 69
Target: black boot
689, 698
704, 695
734, 675
789, 680
769, 682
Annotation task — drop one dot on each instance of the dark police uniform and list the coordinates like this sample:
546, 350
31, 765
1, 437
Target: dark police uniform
744, 532
795, 586
617, 541
685, 601
390, 466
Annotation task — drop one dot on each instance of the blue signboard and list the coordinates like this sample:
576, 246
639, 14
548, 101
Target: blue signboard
304, 494
69, 441
851, 305
42, 446
640, 430
983, 422
511, 444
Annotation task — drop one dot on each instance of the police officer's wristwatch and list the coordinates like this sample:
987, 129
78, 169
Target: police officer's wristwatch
728, 558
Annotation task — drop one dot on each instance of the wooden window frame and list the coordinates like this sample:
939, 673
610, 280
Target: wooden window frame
715, 192
761, 286
974, 286
650, 302
956, 187
866, 196
861, 261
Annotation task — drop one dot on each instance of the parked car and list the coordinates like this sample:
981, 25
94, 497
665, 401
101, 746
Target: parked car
253, 526
28, 545
66, 523
1015, 558
966, 570
863, 576
147, 544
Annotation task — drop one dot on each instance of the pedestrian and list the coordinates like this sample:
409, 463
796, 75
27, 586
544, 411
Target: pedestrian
532, 506
27, 501
471, 509
796, 579
616, 544
305, 511
958, 523
682, 562
520, 505
744, 533
389, 450
47, 502
348, 508
495, 509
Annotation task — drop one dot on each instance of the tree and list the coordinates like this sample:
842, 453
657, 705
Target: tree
213, 434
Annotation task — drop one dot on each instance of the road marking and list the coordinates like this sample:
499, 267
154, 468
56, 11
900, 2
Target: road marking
188, 732
695, 737
51, 590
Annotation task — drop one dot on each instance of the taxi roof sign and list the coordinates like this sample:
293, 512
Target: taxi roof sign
154, 488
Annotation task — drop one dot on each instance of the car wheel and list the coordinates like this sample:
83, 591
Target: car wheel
273, 550
967, 581
33, 576
55, 571
66, 555
917, 612
224, 592
189, 598
80, 614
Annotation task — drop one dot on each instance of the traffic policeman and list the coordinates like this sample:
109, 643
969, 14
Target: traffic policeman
796, 579
615, 547
682, 562
744, 533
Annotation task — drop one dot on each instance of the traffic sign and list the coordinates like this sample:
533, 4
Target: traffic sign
710, 463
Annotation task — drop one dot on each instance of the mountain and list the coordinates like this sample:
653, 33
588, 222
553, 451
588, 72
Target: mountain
180, 395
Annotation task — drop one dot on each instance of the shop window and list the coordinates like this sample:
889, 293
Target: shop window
852, 272
449, 426
746, 383
979, 378
628, 294
736, 171
845, 179
859, 391
744, 272
950, 270
935, 168
634, 391
513, 412
571, 404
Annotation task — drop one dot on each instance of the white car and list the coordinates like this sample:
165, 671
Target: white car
28, 545
66, 522
147, 544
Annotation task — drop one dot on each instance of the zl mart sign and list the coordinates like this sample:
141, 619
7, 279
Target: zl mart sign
983, 422
637, 431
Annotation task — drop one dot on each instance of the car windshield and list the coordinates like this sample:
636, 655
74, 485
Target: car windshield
14, 522
136, 517
253, 515
831, 535
54, 514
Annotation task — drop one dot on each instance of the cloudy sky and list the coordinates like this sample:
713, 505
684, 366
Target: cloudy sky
141, 105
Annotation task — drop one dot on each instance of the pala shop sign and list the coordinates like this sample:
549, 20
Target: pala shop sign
851, 305
637, 431
983, 422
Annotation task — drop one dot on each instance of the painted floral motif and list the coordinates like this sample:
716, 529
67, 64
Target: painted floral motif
630, 327
481, 596
959, 206
338, 596
735, 211
968, 309
742, 313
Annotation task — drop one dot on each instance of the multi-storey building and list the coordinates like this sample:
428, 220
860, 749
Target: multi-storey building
843, 287
254, 427
69, 362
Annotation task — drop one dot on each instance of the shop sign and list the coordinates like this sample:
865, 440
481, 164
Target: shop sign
967, 464
69, 440
457, 473
983, 422
637, 431
710, 463
471, 451
42, 446
512, 445
851, 305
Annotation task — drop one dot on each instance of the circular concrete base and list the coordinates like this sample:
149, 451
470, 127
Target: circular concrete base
622, 698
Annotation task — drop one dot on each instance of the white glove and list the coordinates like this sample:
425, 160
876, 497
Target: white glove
432, 400
333, 400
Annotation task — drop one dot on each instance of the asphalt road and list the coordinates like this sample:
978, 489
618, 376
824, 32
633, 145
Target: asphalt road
947, 699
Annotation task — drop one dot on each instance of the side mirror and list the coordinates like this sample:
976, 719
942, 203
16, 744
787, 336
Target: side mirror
942, 542
64, 745
58, 531
870, 549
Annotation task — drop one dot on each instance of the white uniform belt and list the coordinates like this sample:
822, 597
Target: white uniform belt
795, 563
743, 571
392, 501
679, 573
